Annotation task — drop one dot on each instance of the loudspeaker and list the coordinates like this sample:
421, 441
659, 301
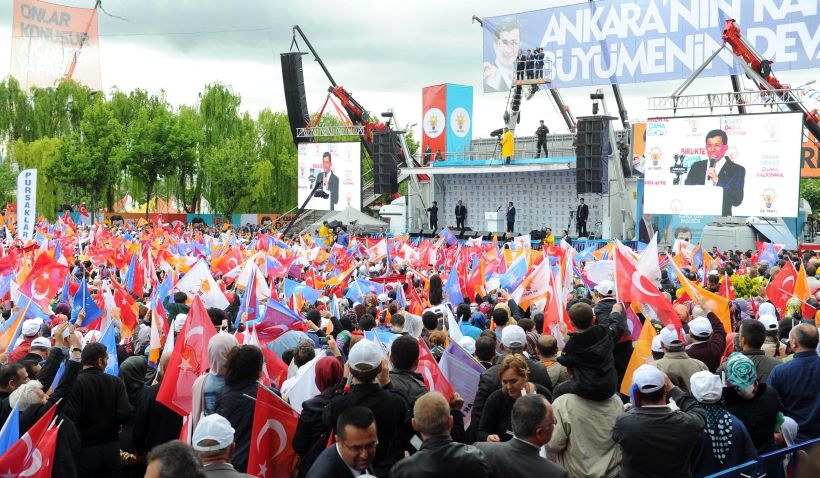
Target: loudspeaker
592, 151
295, 99
385, 170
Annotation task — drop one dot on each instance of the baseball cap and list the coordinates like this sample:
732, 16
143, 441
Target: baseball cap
179, 322
605, 288
700, 327
32, 326
768, 321
383, 298
648, 378
706, 386
669, 336
513, 336
365, 356
213, 427
656, 344
41, 343
468, 344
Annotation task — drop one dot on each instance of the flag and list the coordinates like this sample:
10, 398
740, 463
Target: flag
515, 274
801, 286
275, 370
10, 432
699, 294
248, 305
129, 310
21, 459
83, 210
641, 355
199, 282
534, 286
107, 339
632, 285
189, 360
781, 286
274, 426
767, 252
453, 289
10, 329
448, 236
84, 302
44, 280
428, 368
277, 320
463, 373
726, 288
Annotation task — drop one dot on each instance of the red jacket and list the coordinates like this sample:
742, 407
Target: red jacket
20, 352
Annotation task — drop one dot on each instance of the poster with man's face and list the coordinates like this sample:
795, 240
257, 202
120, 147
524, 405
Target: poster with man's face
335, 170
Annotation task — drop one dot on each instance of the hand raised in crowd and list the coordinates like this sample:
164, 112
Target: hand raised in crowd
57, 333
456, 402
384, 373
333, 346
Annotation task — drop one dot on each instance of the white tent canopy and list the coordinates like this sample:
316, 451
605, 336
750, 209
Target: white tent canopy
351, 216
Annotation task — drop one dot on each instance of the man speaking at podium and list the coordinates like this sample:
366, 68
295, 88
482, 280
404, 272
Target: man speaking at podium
719, 171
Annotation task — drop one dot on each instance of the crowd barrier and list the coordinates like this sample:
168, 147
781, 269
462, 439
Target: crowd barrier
756, 468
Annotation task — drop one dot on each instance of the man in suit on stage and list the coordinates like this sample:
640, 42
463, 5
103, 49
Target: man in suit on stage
328, 180
581, 215
461, 214
355, 446
532, 426
719, 171
510, 217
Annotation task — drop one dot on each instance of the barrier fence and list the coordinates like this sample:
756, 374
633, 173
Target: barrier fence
756, 468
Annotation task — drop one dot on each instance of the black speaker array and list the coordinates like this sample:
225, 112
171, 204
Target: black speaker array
385, 159
295, 99
592, 150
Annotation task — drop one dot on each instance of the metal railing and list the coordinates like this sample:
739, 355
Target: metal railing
757, 468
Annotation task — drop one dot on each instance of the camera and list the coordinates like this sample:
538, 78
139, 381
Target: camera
497, 132
323, 340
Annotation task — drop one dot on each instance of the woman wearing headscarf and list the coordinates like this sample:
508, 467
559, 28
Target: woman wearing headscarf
725, 442
311, 435
207, 386
132, 373
785, 436
753, 402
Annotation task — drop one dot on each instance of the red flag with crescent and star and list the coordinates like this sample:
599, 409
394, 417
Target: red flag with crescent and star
428, 368
781, 287
189, 360
274, 426
44, 281
33, 453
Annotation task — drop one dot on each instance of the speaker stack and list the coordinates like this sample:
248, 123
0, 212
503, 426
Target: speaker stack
385, 159
295, 99
592, 151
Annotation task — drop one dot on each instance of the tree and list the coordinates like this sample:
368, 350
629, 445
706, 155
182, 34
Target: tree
41, 155
228, 165
810, 191
91, 158
219, 114
277, 149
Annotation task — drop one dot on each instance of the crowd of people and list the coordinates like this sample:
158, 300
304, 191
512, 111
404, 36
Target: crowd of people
369, 362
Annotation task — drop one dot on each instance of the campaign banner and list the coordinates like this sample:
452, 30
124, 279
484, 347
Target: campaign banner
434, 119
810, 159
335, 169
638, 41
51, 42
459, 102
26, 204
736, 165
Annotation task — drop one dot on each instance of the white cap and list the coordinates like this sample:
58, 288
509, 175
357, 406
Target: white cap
656, 344
468, 344
648, 378
32, 326
92, 336
670, 337
365, 356
513, 336
700, 327
383, 298
606, 288
706, 386
768, 321
213, 427
179, 322
41, 342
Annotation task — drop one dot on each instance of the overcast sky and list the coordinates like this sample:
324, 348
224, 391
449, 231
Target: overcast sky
384, 52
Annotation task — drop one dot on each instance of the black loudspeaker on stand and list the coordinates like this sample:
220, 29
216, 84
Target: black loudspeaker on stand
592, 151
385, 161
295, 99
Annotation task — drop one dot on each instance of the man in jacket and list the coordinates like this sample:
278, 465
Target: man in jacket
605, 300
372, 389
749, 342
154, 423
433, 210
581, 216
656, 440
510, 218
541, 134
355, 449
461, 214
533, 423
213, 442
708, 340
439, 455
678, 366
719, 171
98, 405
798, 382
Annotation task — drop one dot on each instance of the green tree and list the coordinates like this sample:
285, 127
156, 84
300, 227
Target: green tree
277, 152
810, 191
220, 121
227, 167
41, 154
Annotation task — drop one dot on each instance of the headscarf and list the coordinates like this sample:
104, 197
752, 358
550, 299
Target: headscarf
132, 373
218, 348
729, 349
479, 320
707, 389
740, 371
744, 307
328, 373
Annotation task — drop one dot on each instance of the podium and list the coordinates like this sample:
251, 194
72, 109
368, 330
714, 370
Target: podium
495, 221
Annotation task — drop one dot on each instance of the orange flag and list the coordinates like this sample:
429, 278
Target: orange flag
801, 285
641, 355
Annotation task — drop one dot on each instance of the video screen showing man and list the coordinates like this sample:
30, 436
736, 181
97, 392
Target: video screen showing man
328, 180
498, 75
718, 170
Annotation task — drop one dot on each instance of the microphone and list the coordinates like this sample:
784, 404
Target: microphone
499, 208
712, 160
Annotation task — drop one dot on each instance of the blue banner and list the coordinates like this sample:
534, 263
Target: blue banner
637, 41
459, 99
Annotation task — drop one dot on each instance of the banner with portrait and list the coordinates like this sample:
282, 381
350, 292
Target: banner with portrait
334, 171
735, 165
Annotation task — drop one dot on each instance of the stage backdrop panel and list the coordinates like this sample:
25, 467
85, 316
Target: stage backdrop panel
346, 167
542, 198
760, 164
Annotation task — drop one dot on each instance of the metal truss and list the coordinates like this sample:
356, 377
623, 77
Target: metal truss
326, 131
726, 100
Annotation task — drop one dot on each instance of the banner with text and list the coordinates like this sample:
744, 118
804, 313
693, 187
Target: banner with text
335, 169
738, 165
51, 42
637, 41
26, 204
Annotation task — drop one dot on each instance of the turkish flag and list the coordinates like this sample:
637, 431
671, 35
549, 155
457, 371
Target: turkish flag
33, 454
189, 360
633, 286
44, 281
227, 262
11, 207
275, 371
781, 287
434, 380
83, 210
726, 288
127, 305
274, 426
